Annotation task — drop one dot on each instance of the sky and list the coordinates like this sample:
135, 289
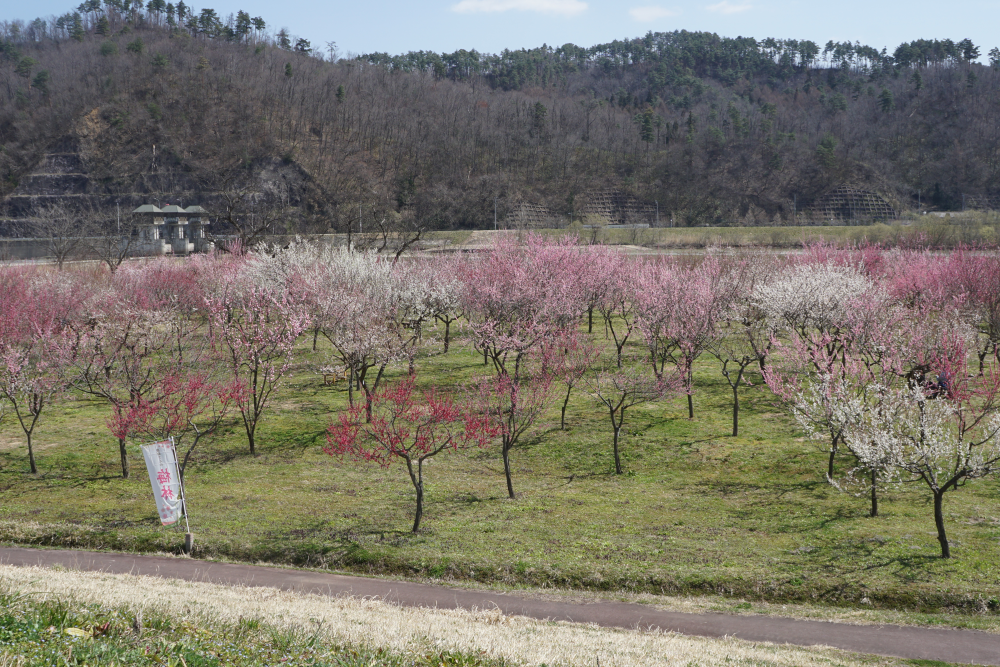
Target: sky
398, 26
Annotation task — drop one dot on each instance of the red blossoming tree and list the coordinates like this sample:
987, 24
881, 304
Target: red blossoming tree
408, 425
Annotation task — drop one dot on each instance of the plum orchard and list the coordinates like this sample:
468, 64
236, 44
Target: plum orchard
889, 357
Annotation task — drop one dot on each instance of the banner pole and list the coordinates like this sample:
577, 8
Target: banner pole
188, 537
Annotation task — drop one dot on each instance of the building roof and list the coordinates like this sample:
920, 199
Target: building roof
195, 209
147, 208
173, 208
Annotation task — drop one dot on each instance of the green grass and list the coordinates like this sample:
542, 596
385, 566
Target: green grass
697, 512
960, 229
39, 632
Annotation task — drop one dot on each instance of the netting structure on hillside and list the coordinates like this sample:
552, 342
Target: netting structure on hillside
981, 202
848, 205
615, 207
526, 215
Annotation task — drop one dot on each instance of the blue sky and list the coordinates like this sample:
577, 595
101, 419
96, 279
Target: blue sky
398, 26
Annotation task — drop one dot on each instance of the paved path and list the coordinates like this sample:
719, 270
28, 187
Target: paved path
962, 646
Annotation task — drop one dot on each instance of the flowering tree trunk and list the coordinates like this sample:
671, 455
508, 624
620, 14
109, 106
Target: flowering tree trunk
256, 328
187, 406
28, 408
512, 408
142, 329
677, 315
521, 300
37, 346
618, 389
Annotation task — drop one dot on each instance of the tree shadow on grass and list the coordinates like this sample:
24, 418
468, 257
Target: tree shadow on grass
290, 440
862, 557
214, 456
910, 569
776, 490
323, 546
80, 482
151, 521
692, 445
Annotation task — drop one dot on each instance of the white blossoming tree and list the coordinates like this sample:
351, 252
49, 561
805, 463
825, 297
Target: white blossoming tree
942, 443
811, 298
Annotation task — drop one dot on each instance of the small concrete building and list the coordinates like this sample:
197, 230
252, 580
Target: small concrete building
172, 229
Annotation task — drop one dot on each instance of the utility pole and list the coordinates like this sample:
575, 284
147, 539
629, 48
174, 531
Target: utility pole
360, 229
494, 214
657, 212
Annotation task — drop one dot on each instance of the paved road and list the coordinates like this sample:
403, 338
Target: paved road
962, 646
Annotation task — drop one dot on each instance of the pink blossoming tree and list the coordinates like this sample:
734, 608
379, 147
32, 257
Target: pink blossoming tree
255, 325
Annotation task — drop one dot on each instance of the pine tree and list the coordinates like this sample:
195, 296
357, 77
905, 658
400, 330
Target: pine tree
76, 31
283, 40
645, 121
41, 82
826, 152
886, 102
968, 50
538, 117
242, 24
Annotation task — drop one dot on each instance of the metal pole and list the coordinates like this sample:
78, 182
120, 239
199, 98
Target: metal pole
188, 537
180, 481
657, 212
494, 214
360, 229
119, 209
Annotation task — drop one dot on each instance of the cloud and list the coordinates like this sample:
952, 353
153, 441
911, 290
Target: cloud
564, 7
651, 13
726, 7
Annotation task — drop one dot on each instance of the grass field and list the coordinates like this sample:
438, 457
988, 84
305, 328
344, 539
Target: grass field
697, 512
959, 229
151, 621
937, 232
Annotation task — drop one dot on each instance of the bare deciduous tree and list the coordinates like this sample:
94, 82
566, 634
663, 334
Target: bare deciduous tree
251, 210
110, 235
60, 228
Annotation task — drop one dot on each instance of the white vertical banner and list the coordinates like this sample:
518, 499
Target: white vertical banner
161, 462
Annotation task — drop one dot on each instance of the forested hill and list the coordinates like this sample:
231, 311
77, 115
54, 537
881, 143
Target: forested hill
667, 59
120, 102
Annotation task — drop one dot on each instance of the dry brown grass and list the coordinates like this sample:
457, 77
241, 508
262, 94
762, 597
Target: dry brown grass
378, 624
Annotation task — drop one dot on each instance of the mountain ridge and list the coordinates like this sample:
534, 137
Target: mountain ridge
710, 130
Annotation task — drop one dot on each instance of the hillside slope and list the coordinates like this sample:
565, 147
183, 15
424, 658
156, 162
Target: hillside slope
701, 129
